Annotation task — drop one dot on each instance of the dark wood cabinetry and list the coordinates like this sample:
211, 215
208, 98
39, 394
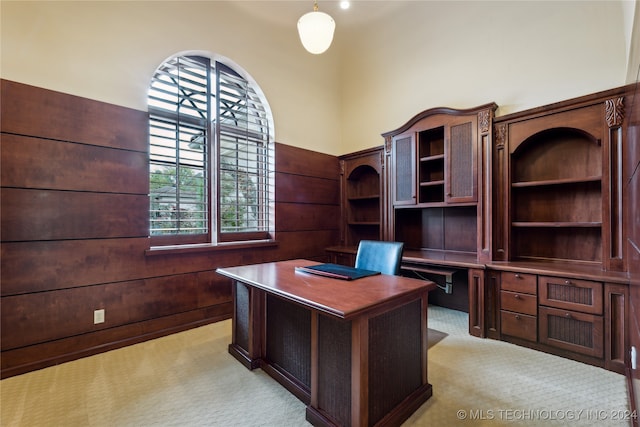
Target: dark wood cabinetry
571, 314
434, 178
362, 209
524, 212
575, 311
556, 195
560, 179
558, 220
436, 175
362, 193
436, 165
519, 305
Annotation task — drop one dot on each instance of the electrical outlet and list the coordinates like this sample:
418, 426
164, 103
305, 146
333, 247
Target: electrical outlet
633, 357
98, 316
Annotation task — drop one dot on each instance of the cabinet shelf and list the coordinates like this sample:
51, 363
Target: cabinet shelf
550, 182
556, 224
431, 183
434, 205
432, 158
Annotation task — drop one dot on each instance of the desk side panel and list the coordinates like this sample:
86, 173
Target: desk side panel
288, 341
395, 358
334, 368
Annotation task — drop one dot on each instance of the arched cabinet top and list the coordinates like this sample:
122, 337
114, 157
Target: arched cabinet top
439, 111
359, 171
372, 157
555, 135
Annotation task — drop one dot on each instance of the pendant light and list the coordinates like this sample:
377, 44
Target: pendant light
316, 30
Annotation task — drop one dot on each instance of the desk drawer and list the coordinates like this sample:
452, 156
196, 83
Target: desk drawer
519, 325
518, 282
571, 294
520, 303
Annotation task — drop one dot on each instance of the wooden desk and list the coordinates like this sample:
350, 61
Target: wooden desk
354, 351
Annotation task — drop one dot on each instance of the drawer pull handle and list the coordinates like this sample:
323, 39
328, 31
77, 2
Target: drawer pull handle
517, 317
516, 296
567, 315
517, 276
568, 282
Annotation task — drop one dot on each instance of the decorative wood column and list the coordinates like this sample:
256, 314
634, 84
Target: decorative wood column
613, 205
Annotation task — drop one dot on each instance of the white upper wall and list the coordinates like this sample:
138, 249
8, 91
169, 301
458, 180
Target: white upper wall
378, 73
109, 51
464, 54
631, 19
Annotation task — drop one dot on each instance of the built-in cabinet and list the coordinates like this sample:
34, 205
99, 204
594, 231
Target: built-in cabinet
558, 225
436, 166
524, 213
437, 177
519, 305
361, 184
556, 188
550, 309
435, 174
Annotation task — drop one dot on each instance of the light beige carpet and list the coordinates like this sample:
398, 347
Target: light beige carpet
189, 379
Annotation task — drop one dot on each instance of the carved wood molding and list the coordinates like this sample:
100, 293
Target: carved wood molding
500, 136
387, 144
614, 111
484, 121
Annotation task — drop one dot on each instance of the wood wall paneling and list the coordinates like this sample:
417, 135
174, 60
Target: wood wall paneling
30, 110
41, 355
71, 310
319, 190
298, 161
30, 162
32, 214
299, 217
74, 200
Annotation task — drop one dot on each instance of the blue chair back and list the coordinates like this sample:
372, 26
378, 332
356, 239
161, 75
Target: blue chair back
384, 257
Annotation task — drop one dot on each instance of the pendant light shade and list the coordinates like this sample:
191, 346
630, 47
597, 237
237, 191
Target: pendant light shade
316, 30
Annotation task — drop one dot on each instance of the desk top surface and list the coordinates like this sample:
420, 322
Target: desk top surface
341, 298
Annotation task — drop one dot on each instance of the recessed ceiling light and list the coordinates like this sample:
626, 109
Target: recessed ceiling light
345, 4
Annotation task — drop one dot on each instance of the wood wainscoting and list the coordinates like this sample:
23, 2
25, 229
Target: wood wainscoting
75, 209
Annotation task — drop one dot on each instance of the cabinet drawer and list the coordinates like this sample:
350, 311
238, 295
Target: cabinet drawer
520, 303
518, 282
519, 325
570, 330
571, 294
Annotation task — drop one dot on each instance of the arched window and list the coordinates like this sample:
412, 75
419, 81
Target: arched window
210, 155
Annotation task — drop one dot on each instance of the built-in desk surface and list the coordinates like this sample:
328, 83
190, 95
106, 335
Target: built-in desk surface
413, 256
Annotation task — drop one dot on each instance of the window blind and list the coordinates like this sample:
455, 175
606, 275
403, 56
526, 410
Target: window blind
210, 154
245, 171
178, 128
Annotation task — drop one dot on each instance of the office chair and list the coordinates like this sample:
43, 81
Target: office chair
384, 257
